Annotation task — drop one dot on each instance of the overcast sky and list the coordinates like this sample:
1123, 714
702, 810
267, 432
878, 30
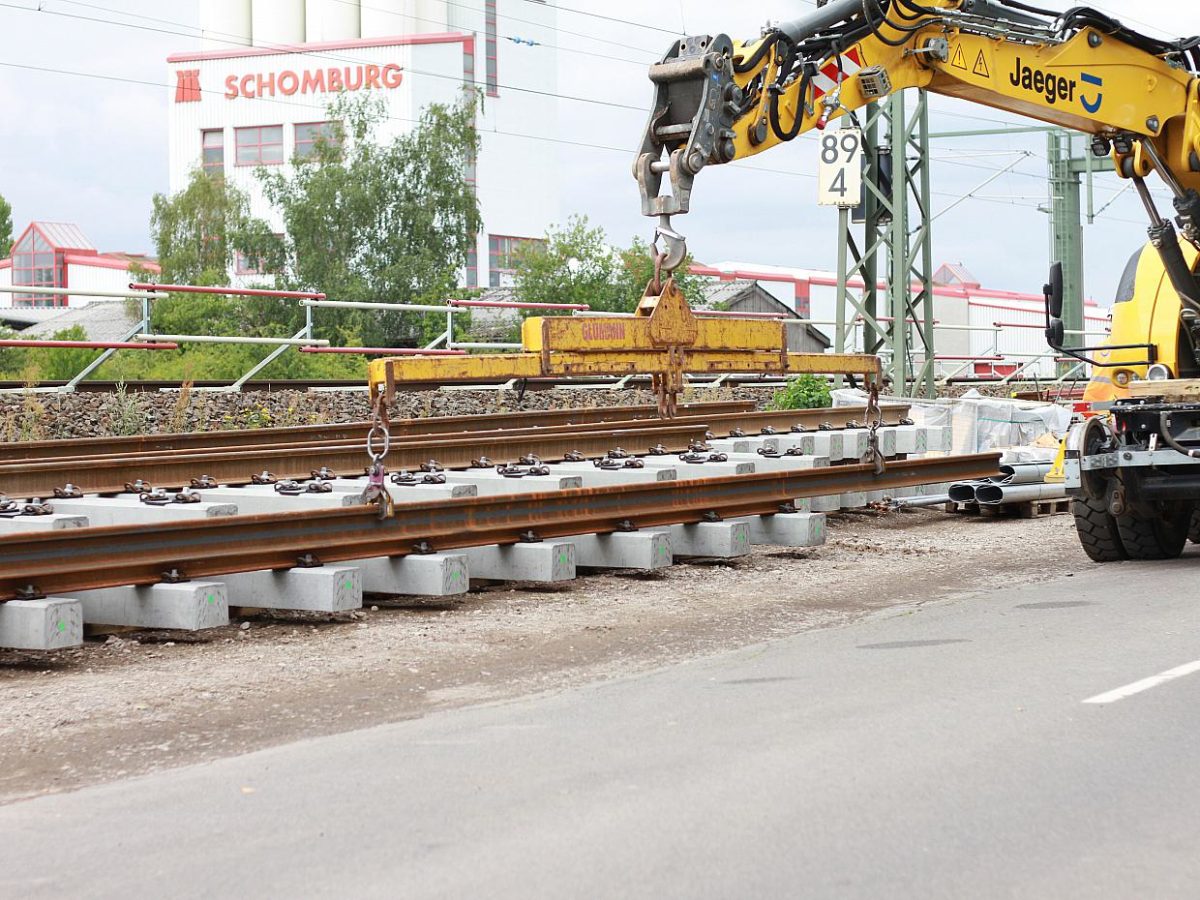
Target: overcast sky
93, 151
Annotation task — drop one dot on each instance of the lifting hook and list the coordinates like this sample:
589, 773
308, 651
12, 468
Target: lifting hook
674, 250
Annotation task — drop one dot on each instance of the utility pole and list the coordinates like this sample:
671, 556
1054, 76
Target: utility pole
895, 215
1066, 219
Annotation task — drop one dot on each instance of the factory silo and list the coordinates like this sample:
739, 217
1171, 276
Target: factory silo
397, 18
277, 22
332, 20
385, 18
225, 24
431, 16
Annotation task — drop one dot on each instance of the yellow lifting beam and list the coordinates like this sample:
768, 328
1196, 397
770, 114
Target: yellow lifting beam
664, 339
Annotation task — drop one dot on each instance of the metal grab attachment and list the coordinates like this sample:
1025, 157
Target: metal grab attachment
380, 436
874, 454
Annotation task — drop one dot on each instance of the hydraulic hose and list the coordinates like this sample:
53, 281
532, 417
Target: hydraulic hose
760, 54
791, 133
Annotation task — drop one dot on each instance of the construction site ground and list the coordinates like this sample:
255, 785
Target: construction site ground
139, 702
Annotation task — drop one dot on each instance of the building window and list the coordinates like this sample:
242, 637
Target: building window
212, 158
260, 146
502, 255
247, 264
472, 268
37, 264
310, 133
492, 68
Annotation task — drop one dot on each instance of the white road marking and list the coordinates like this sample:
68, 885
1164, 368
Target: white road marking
1145, 684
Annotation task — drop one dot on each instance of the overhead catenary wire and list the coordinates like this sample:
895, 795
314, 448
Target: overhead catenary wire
544, 138
321, 55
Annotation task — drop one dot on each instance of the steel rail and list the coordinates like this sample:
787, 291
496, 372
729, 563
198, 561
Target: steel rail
721, 419
92, 448
61, 562
111, 475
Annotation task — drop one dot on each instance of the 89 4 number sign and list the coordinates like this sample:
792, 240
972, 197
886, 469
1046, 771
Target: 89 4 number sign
839, 178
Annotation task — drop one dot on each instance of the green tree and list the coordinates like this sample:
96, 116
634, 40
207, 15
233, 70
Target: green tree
577, 264
198, 232
381, 221
6, 228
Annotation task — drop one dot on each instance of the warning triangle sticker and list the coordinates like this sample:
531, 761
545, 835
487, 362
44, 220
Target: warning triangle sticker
981, 66
960, 60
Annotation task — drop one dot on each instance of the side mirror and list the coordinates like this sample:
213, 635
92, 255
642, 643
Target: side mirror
1056, 334
1054, 291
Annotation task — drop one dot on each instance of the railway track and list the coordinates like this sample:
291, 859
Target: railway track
180, 461
307, 435
88, 559
356, 385
536, 509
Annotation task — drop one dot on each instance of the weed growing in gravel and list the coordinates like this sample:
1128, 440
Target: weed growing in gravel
177, 420
127, 413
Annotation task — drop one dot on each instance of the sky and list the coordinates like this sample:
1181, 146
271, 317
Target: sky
91, 148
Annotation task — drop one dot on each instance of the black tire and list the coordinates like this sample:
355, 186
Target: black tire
1098, 531
1162, 537
1194, 531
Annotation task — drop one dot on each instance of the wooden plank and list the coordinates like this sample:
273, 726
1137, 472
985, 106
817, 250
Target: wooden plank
1179, 389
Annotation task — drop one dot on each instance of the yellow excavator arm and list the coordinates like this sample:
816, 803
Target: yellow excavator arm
719, 100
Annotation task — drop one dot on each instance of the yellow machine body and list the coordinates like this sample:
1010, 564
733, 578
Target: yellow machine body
1147, 315
1090, 83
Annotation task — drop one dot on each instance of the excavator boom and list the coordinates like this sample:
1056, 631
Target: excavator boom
718, 100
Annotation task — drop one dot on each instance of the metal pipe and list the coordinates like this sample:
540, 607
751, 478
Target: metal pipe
920, 502
87, 345
999, 494
834, 13
734, 314
512, 304
211, 339
393, 307
1024, 473
226, 291
963, 492
27, 289
384, 351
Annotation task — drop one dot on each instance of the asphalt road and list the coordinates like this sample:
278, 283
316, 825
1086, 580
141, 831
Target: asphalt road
941, 752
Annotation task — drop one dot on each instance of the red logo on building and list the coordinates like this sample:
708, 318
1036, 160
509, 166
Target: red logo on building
187, 86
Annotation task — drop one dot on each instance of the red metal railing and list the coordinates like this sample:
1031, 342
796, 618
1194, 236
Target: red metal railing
87, 345
383, 351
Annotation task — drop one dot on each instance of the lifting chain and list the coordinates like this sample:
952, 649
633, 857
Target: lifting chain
379, 442
656, 286
874, 422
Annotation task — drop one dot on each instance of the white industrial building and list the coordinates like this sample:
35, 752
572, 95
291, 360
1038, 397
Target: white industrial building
257, 95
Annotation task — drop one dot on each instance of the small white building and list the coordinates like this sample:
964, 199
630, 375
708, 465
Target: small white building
257, 95
59, 255
982, 332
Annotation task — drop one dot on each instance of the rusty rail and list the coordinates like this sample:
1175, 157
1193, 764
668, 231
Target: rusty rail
720, 418
60, 562
352, 431
176, 470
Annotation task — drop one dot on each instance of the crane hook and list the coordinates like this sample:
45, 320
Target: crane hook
674, 245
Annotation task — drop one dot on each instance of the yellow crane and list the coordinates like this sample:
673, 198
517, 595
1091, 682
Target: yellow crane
1132, 472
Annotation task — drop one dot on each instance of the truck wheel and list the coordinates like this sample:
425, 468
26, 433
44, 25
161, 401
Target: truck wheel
1097, 530
1162, 537
1194, 531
